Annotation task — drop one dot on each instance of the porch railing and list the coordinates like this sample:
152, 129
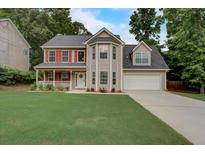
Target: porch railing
64, 84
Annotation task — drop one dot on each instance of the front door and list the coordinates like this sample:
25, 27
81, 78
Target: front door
80, 79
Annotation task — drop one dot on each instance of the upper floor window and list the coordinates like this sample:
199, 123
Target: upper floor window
142, 58
81, 55
113, 52
64, 76
103, 77
93, 52
103, 51
52, 56
64, 56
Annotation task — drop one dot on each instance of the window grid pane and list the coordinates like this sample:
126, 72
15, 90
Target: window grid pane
50, 76
113, 78
103, 77
103, 55
93, 78
64, 76
81, 56
114, 53
65, 56
142, 58
93, 53
52, 56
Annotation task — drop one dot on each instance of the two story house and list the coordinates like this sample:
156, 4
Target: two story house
14, 50
101, 60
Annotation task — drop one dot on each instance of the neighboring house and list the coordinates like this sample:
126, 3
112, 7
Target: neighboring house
102, 60
14, 51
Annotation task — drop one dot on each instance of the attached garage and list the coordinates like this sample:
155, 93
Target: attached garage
144, 81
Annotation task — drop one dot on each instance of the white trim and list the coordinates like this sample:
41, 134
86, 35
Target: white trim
49, 56
96, 69
73, 56
100, 31
103, 42
83, 58
134, 56
165, 80
54, 77
139, 44
111, 52
136, 69
41, 67
62, 57
71, 79
69, 47
77, 78
121, 70
19, 33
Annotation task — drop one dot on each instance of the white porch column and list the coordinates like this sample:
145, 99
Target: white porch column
110, 51
96, 70
36, 76
71, 80
54, 77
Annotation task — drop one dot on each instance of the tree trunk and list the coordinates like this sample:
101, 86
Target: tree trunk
202, 89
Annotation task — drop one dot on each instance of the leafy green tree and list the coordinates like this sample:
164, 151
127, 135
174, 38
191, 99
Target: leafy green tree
187, 44
40, 25
145, 25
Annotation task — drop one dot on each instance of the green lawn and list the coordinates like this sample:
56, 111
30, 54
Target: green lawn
192, 95
59, 118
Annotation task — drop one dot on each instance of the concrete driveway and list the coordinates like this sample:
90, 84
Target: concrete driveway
185, 115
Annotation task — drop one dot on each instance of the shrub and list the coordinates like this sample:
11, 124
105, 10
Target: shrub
103, 90
33, 86
49, 87
119, 91
88, 90
60, 88
10, 76
92, 89
113, 90
40, 87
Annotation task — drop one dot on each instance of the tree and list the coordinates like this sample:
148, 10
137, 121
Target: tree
40, 25
145, 25
187, 43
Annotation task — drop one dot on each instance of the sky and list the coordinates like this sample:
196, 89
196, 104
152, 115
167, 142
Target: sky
115, 20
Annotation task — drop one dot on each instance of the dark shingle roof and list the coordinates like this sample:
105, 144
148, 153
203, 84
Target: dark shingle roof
74, 40
53, 65
67, 40
157, 62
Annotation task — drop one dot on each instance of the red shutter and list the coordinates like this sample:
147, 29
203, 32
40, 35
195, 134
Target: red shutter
59, 56
57, 76
46, 76
46, 54
70, 56
76, 56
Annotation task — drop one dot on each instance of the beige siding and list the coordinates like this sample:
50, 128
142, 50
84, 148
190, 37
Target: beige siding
148, 72
108, 65
14, 51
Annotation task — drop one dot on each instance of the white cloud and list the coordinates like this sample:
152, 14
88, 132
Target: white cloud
93, 24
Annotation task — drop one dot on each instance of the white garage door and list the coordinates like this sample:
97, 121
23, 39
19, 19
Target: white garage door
142, 82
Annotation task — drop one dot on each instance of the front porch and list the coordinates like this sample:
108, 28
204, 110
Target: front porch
68, 79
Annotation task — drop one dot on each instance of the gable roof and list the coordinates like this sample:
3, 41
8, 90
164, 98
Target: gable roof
117, 37
18, 32
139, 44
66, 41
157, 61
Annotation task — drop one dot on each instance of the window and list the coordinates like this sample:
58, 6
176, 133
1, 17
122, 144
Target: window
103, 51
114, 78
64, 76
52, 56
113, 52
81, 55
50, 76
64, 56
103, 55
103, 77
93, 78
93, 53
142, 58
